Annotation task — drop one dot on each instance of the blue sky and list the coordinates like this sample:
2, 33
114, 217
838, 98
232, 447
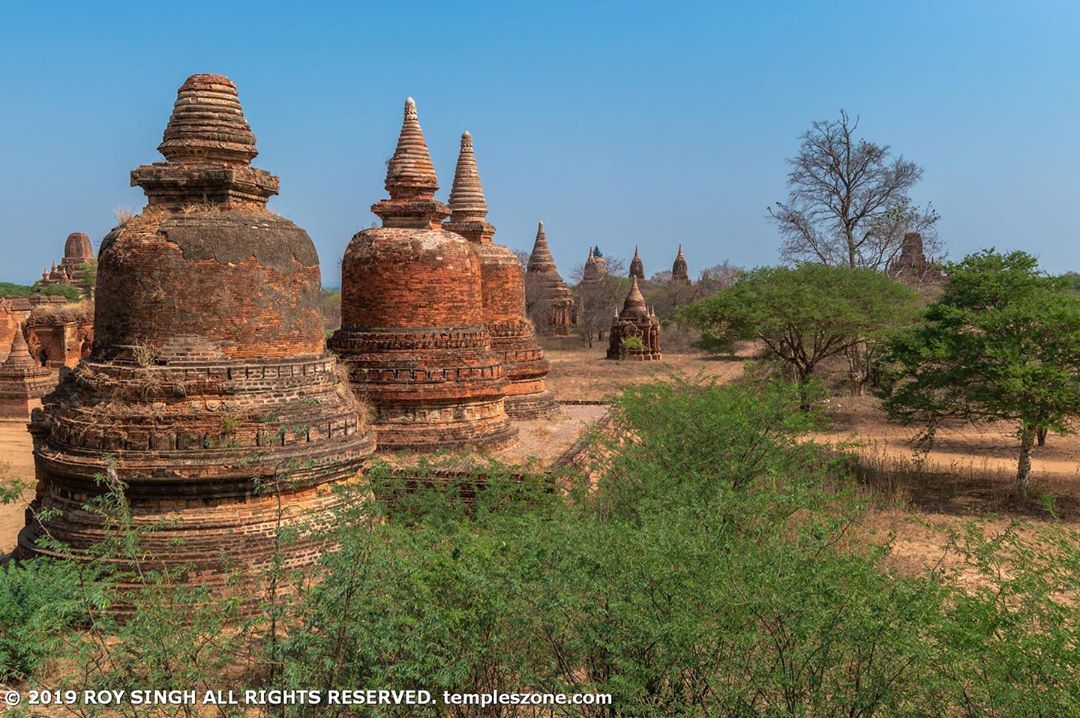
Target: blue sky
616, 123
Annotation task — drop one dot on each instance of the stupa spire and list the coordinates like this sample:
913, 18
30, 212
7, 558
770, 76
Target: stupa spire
208, 147
635, 302
541, 260
410, 173
208, 124
19, 356
411, 181
467, 201
637, 267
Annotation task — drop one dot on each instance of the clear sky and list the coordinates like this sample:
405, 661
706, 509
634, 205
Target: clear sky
616, 123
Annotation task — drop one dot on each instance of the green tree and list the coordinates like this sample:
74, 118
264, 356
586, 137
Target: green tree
1002, 344
805, 314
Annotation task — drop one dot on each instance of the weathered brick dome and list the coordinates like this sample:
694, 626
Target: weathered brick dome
209, 391
412, 323
246, 281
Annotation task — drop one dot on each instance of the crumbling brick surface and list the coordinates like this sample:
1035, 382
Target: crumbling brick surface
208, 391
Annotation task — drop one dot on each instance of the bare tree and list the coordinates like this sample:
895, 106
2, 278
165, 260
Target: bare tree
848, 200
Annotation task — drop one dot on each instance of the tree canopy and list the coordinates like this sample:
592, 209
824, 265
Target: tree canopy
804, 314
1002, 344
848, 200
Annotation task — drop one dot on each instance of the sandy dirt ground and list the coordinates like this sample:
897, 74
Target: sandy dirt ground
923, 504
584, 374
16, 463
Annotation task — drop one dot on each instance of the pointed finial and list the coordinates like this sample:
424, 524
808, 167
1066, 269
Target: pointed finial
410, 173
467, 201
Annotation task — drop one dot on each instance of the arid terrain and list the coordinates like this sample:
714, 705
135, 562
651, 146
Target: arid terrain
920, 500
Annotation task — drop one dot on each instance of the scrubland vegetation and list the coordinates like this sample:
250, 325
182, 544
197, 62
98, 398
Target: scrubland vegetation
709, 562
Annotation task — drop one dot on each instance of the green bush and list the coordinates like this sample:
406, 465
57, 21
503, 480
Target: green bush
715, 568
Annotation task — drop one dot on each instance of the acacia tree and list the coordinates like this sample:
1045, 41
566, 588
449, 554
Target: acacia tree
804, 314
848, 201
1002, 344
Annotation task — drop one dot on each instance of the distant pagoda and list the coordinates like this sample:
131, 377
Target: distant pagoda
635, 331
549, 300
637, 267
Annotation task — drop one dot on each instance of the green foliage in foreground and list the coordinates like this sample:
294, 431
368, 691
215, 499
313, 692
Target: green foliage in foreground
804, 314
717, 568
1002, 344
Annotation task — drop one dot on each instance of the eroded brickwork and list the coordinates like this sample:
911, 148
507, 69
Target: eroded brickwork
412, 332
635, 331
503, 290
208, 384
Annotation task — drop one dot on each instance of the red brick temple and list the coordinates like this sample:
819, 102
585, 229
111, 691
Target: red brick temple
413, 331
635, 331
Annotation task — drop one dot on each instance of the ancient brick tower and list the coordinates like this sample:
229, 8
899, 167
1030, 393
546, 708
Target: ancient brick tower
550, 302
208, 389
679, 271
911, 264
595, 267
412, 317
503, 285
635, 331
23, 381
637, 267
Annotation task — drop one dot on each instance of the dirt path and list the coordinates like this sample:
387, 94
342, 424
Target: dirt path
16, 462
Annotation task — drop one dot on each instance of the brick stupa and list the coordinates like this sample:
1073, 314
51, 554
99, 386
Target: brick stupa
208, 388
503, 286
550, 301
23, 381
635, 331
412, 317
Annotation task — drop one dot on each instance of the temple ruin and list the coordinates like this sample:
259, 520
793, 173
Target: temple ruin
595, 267
637, 267
635, 331
74, 268
549, 301
413, 334
208, 392
503, 287
680, 273
911, 265
23, 381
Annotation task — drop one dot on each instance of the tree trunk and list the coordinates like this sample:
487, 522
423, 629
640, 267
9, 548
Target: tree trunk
1023, 466
858, 357
1040, 435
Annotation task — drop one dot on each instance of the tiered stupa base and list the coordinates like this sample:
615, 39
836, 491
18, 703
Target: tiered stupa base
218, 460
524, 365
432, 389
